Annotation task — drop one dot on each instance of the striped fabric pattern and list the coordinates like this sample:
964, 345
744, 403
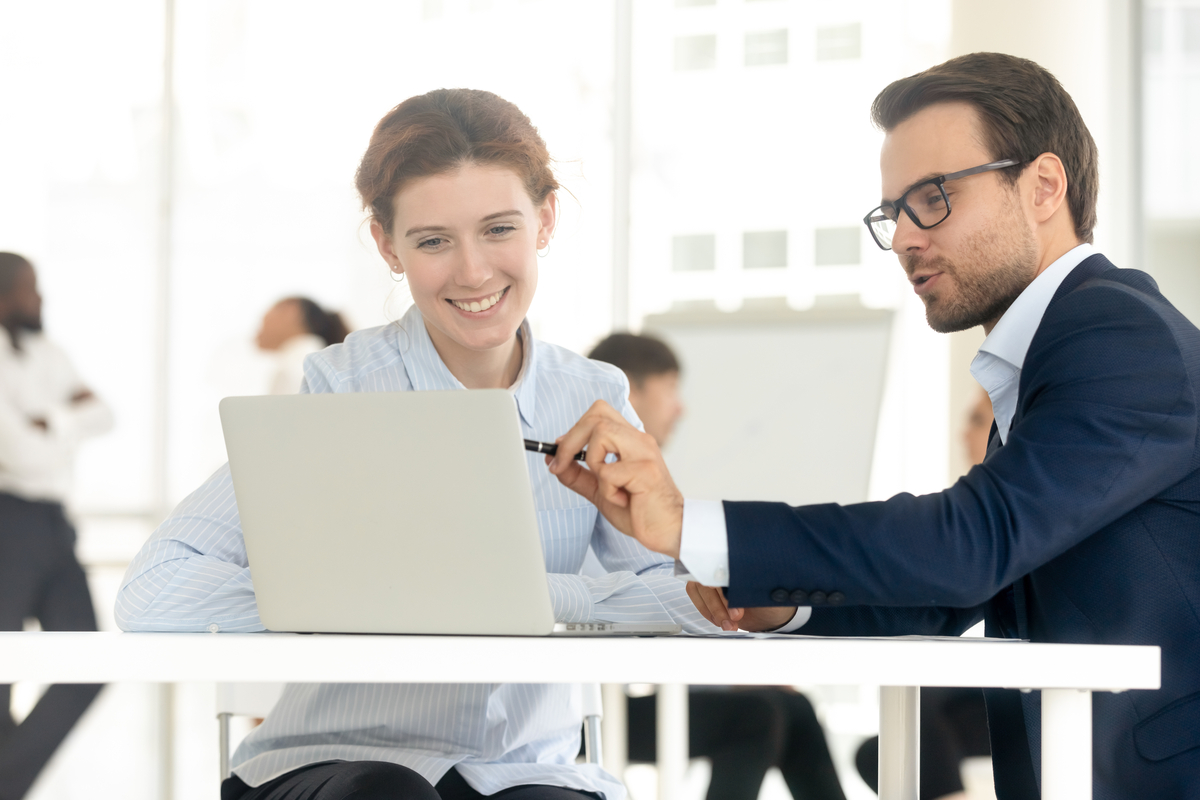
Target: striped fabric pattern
192, 576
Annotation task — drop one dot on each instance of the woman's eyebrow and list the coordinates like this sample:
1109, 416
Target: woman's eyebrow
424, 229
510, 213
430, 228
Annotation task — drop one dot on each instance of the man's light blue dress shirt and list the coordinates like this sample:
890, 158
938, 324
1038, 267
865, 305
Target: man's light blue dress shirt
997, 366
192, 575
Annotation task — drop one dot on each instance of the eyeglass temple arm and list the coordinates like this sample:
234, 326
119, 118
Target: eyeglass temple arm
1001, 164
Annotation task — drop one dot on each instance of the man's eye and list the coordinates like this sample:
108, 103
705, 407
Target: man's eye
931, 199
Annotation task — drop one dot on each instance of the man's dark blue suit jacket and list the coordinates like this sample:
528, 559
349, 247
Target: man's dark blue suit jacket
1083, 528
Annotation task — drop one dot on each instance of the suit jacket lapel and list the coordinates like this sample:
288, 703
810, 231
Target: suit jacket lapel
994, 442
1089, 268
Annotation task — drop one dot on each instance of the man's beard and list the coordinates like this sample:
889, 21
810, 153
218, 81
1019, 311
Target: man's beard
985, 289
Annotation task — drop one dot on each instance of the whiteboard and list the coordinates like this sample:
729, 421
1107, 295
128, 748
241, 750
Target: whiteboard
780, 404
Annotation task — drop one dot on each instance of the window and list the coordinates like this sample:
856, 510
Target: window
694, 253
1191, 31
839, 42
695, 52
836, 246
1153, 32
764, 249
767, 47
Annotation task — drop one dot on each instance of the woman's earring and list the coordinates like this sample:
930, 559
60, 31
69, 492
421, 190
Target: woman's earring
542, 243
397, 271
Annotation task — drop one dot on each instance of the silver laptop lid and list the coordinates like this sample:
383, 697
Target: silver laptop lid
388, 512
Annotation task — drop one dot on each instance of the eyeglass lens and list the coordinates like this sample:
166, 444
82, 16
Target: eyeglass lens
926, 203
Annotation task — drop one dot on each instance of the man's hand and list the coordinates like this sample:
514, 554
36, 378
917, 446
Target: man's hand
712, 604
635, 493
710, 601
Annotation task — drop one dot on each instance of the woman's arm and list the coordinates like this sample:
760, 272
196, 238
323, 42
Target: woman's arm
192, 572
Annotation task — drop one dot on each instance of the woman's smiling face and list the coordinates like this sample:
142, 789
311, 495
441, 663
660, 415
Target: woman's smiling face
467, 241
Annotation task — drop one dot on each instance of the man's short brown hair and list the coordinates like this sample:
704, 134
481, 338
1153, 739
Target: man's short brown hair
638, 356
1024, 112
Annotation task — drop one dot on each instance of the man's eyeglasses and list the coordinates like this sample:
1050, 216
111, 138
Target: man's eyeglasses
926, 204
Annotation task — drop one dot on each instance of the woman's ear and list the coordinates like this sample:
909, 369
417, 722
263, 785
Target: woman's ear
547, 220
387, 248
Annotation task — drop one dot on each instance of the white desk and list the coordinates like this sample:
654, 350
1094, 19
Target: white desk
1067, 674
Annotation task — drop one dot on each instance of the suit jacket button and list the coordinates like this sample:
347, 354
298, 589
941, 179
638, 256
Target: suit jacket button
836, 598
779, 596
816, 598
799, 598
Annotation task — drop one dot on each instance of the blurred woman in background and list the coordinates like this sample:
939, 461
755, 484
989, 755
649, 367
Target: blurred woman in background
290, 330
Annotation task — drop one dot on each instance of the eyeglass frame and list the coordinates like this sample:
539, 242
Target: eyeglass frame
901, 203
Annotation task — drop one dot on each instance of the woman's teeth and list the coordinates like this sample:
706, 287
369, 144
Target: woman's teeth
480, 305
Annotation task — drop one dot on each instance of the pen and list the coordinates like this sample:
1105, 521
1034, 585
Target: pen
549, 449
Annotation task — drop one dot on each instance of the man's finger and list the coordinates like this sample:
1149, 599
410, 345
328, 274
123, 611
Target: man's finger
711, 604
581, 481
766, 618
582, 434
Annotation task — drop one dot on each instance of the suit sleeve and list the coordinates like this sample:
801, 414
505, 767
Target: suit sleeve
1107, 421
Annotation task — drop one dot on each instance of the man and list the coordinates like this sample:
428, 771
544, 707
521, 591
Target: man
653, 373
744, 732
1083, 522
44, 412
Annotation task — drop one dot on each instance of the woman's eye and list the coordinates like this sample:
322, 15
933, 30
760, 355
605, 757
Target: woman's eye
500, 230
430, 244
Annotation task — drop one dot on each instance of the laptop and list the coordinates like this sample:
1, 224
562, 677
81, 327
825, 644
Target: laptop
393, 512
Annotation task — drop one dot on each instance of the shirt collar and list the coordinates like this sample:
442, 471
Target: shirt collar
1010, 339
427, 372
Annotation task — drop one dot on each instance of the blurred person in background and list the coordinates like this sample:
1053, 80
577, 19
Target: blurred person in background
743, 732
45, 412
290, 330
953, 719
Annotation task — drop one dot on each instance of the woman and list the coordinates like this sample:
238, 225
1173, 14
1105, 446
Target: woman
461, 197
290, 330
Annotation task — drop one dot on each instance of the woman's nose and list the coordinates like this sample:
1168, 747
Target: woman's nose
473, 269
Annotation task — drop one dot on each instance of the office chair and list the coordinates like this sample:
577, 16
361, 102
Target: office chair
243, 700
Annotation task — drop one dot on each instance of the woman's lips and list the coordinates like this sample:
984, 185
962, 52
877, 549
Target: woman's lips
483, 307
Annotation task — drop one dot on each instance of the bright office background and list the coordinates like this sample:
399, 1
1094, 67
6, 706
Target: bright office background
171, 181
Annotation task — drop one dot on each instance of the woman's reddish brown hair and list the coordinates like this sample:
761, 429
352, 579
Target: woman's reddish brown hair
439, 132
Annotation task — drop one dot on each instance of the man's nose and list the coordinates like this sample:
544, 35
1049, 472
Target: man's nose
908, 239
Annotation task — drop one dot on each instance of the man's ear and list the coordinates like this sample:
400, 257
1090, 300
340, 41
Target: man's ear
387, 247
1049, 190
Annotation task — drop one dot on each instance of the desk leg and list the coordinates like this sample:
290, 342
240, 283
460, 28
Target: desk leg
672, 739
615, 729
899, 742
1066, 743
